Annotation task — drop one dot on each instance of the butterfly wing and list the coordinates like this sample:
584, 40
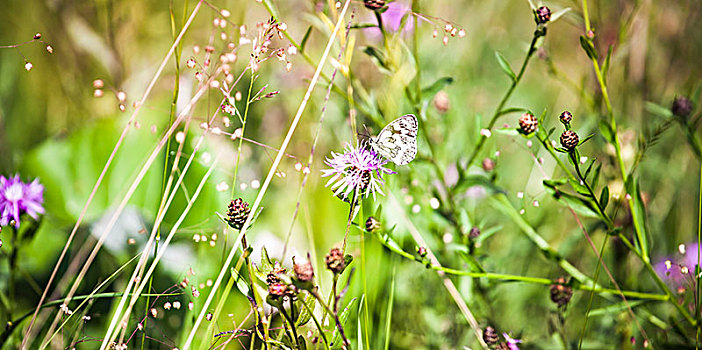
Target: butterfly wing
398, 140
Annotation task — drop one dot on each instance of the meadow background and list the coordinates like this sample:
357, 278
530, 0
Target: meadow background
54, 127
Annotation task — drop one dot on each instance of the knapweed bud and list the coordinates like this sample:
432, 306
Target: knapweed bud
569, 140
304, 271
543, 15
528, 123
374, 4
372, 224
277, 289
238, 212
272, 277
566, 117
488, 164
490, 336
474, 232
682, 107
335, 260
560, 293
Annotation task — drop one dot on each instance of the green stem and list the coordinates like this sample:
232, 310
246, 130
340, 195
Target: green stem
505, 98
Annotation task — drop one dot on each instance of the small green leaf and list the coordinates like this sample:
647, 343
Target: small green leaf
616, 308
605, 64
588, 47
606, 131
589, 167
633, 189
241, 284
658, 110
559, 14
305, 315
336, 337
473, 264
431, 90
266, 263
505, 66
604, 197
377, 55
578, 187
513, 110
305, 38
585, 139
596, 176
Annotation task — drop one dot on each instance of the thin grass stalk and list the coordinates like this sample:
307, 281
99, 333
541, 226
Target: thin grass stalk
160, 216
132, 118
268, 179
109, 337
123, 203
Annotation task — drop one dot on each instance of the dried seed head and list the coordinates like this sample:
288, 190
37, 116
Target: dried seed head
543, 15
372, 224
682, 107
335, 260
238, 213
566, 117
490, 336
304, 271
561, 293
374, 4
528, 123
569, 140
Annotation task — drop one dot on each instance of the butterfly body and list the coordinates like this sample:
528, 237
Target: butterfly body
397, 141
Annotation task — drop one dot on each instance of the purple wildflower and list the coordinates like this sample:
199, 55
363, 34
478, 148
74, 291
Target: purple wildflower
357, 168
511, 343
671, 267
392, 19
17, 197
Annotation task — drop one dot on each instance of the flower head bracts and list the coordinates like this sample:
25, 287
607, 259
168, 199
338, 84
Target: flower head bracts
17, 197
357, 168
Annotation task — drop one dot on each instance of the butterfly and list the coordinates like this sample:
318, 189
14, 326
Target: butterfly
397, 141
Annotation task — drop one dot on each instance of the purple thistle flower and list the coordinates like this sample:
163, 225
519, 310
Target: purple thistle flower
511, 343
17, 197
357, 168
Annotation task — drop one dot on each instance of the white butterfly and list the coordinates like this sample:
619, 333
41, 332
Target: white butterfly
398, 140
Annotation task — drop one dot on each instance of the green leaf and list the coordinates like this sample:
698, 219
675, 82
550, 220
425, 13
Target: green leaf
596, 176
505, 66
605, 64
513, 110
585, 139
616, 308
604, 197
589, 167
337, 343
241, 283
559, 14
606, 131
431, 90
578, 187
473, 264
578, 204
266, 263
305, 38
658, 110
638, 213
305, 315
377, 55
588, 47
